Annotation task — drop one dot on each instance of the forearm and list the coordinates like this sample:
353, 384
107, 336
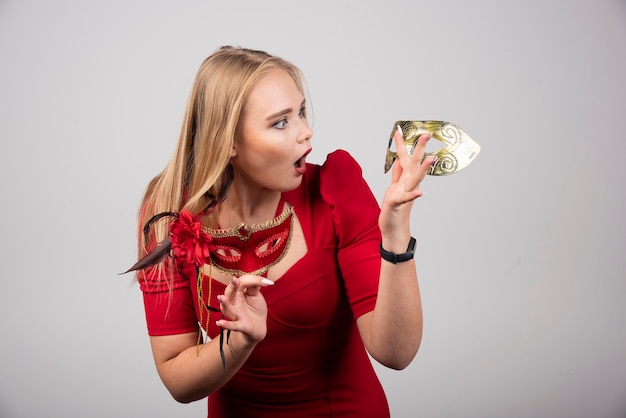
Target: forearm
393, 330
191, 374
396, 322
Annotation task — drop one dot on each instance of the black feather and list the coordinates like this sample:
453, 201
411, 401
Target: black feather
163, 249
222, 355
148, 225
153, 257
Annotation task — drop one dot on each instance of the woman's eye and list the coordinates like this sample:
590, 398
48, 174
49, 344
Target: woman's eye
302, 112
281, 124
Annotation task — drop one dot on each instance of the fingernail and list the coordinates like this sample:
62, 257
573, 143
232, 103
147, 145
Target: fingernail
234, 281
400, 130
219, 298
267, 282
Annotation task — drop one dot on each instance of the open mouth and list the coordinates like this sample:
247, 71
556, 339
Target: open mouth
302, 160
300, 164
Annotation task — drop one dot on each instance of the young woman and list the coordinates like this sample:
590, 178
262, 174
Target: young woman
292, 269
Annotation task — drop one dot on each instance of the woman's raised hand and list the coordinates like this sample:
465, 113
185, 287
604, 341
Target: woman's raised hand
406, 176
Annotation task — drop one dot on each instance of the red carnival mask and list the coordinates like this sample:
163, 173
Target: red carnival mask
252, 249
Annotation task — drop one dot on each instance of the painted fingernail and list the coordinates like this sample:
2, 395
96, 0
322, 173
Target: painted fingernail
234, 281
267, 282
219, 298
400, 130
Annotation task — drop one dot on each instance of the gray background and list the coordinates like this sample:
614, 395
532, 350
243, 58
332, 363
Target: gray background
521, 255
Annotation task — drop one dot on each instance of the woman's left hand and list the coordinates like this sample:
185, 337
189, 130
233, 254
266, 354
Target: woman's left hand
406, 177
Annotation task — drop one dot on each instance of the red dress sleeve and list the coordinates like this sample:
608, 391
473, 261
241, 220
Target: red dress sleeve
168, 300
354, 211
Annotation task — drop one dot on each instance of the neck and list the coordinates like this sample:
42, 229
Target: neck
248, 207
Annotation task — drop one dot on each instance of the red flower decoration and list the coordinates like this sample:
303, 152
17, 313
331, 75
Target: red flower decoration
189, 242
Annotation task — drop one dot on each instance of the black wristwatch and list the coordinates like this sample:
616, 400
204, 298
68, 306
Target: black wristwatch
398, 258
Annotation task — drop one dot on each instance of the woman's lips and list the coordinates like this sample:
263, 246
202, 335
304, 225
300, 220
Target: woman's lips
300, 165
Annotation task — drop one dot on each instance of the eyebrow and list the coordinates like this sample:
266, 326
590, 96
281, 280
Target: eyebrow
283, 112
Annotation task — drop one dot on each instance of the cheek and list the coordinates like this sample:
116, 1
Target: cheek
271, 158
264, 154
265, 167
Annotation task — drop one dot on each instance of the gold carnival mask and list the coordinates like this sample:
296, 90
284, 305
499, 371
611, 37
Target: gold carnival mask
459, 152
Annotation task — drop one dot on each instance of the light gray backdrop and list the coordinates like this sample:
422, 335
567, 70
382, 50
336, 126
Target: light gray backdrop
521, 255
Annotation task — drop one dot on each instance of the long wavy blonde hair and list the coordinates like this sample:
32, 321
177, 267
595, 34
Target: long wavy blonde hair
211, 124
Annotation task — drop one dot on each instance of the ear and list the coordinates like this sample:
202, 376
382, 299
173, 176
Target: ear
233, 152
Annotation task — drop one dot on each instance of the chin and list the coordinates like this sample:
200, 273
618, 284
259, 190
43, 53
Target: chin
292, 185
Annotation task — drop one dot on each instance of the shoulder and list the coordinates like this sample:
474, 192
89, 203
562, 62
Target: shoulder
343, 187
341, 177
338, 168
339, 180
340, 162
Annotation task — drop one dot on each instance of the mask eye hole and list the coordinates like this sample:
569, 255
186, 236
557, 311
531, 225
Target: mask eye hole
271, 244
226, 253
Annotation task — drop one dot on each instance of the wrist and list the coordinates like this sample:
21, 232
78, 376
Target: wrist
394, 257
394, 221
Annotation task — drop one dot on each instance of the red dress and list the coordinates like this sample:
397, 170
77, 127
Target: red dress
312, 363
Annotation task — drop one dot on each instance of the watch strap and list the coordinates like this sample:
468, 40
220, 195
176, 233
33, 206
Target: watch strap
399, 258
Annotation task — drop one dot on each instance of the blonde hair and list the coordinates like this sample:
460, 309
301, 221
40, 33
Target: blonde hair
194, 175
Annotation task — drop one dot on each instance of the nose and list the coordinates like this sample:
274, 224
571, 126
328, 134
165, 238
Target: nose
304, 132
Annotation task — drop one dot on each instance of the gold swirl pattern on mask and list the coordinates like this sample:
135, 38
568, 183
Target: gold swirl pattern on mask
459, 151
